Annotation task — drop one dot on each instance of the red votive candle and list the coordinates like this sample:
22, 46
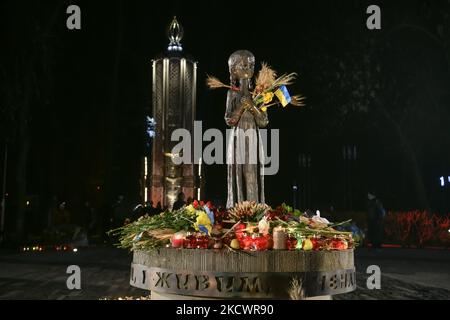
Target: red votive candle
291, 242
177, 240
189, 241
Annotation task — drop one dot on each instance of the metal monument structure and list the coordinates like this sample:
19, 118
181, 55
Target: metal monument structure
174, 80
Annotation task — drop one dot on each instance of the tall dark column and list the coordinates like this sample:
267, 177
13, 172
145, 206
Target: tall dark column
174, 101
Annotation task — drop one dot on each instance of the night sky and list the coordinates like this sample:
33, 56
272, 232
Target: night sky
88, 91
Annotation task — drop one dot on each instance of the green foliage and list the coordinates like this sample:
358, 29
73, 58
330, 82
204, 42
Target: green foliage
138, 233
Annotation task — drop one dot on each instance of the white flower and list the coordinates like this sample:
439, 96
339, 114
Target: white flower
318, 219
264, 226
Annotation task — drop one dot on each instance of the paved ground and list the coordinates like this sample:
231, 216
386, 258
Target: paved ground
105, 272
406, 274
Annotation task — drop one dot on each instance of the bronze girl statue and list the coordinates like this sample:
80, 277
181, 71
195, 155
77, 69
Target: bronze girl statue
245, 154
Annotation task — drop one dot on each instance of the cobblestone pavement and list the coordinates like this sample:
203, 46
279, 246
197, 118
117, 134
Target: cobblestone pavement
406, 274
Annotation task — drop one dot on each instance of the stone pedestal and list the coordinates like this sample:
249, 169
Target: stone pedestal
209, 274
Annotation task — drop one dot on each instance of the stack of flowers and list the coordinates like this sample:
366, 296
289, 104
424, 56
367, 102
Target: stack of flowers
248, 226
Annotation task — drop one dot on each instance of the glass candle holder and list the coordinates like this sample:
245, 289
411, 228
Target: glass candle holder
189, 241
201, 241
269, 240
291, 242
218, 244
279, 238
178, 240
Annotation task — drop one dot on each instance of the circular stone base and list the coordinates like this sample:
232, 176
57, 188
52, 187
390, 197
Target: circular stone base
180, 274
169, 296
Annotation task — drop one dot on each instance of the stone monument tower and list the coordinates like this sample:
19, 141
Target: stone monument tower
174, 79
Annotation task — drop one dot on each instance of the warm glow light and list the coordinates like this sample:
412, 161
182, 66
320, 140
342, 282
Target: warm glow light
145, 194
28, 203
145, 166
200, 175
75, 250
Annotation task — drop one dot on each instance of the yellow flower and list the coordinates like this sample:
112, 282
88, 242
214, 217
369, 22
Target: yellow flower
264, 109
190, 209
268, 96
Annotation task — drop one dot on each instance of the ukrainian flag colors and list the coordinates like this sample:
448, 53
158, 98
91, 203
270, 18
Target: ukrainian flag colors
283, 95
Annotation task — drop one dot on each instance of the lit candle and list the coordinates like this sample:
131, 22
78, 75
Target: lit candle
279, 238
177, 240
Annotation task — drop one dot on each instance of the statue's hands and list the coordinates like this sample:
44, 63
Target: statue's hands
247, 103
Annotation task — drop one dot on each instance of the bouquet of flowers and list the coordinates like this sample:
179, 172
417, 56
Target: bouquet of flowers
268, 86
198, 225
156, 231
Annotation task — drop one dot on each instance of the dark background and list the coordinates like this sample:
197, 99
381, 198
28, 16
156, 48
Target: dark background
73, 102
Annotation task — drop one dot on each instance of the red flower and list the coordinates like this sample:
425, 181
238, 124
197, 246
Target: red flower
239, 230
338, 244
195, 204
316, 243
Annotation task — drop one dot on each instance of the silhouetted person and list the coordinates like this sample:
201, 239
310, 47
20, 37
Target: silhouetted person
158, 208
87, 215
62, 215
120, 212
154, 210
107, 220
138, 212
180, 202
189, 201
148, 209
94, 223
375, 215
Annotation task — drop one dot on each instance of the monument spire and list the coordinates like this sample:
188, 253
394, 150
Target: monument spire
175, 34
174, 104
